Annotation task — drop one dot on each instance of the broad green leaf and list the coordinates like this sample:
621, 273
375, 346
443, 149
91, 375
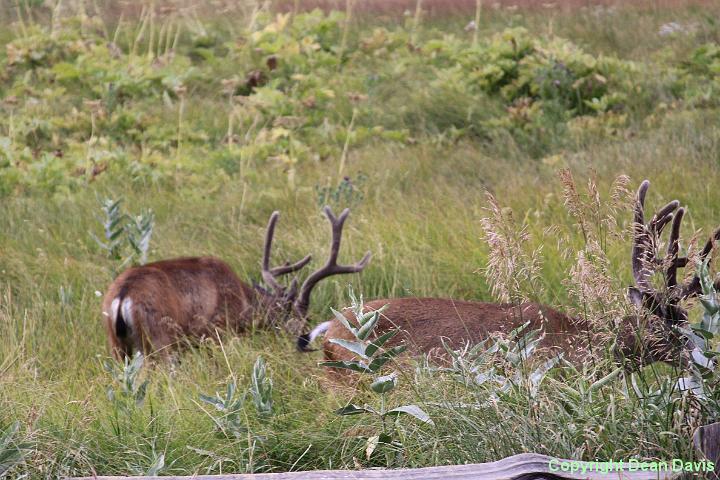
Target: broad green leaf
218, 404
385, 383
379, 342
11, 452
483, 377
385, 357
344, 321
606, 379
370, 446
528, 344
358, 348
700, 359
349, 365
537, 376
413, 411
365, 331
157, 466
369, 314
693, 384
516, 331
351, 409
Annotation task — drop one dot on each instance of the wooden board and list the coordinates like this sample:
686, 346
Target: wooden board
526, 466
707, 441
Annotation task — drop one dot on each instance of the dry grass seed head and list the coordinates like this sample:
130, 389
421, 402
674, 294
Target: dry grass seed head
512, 271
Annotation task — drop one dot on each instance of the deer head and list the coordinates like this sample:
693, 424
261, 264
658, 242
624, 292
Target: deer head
655, 336
291, 299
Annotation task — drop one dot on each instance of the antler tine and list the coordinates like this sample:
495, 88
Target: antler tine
673, 249
645, 237
663, 217
710, 244
289, 268
640, 203
331, 267
640, 239
692, 287
269, 274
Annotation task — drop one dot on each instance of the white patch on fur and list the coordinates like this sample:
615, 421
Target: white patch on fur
114, 310
319, 330
127, 305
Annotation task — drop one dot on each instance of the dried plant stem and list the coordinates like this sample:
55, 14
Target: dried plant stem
21, 21
416, 21
169, 36
478, 11
181, 109
177, 37
102, 21
257, 7
161, 38
151, 41
346, 29
118, 28
28, 12
231, 117
55, 19
144, 17
346, 146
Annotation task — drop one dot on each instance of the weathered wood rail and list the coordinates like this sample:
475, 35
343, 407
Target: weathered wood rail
707, 441
525, 466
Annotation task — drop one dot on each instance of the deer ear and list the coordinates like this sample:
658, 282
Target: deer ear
635, 296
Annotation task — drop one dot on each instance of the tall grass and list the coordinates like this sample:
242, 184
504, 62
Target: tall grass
420, 214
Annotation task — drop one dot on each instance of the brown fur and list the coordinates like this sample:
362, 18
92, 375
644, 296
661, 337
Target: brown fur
424, 322
193, 298
641, 340
172, 299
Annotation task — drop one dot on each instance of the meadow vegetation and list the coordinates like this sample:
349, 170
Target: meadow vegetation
486, 152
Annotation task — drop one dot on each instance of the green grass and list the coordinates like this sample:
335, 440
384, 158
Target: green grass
420, 215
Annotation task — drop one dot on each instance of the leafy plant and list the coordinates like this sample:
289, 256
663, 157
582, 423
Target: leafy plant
123, 231
373, 358
230, 406
113, 228
504, 364
127, 388
157, 466
12, 450
139, 231
346, 194
261, 388
703, 375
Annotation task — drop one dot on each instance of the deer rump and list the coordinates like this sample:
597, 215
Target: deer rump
155, 306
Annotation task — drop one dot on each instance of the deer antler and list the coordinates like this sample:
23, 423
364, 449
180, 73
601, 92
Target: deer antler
331, 267
692, 287
270, 275
645, 242
646, 238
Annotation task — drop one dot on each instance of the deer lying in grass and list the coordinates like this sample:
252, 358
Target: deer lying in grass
156, 306
642, 339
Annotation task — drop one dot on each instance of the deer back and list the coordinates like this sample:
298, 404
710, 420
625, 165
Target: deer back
424, 323
652, 334
155, 305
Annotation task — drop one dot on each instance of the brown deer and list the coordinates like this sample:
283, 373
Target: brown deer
642, 339
156, 306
